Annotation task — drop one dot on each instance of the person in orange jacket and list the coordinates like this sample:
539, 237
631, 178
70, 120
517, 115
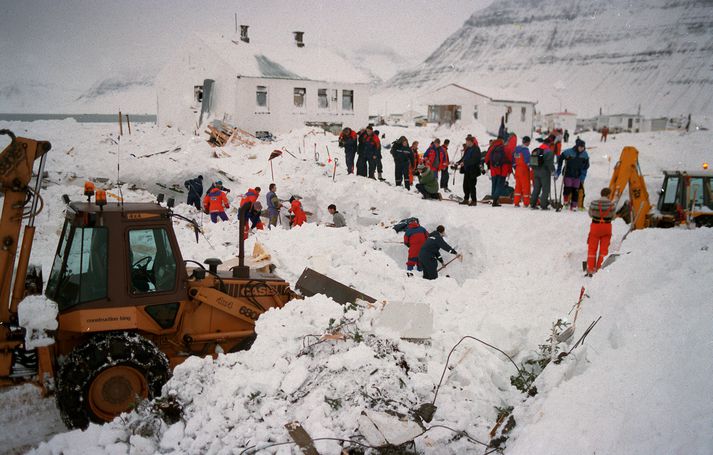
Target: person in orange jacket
299, 214
216, 202
250, 196
522, 172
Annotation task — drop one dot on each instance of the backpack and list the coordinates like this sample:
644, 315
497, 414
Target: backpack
537, 158
497, 156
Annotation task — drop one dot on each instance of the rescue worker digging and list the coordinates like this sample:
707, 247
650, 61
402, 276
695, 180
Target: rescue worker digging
195, 189
602, 211
216, 202
273, 205
414, 238
430, 254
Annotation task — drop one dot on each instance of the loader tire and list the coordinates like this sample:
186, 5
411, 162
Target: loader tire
107, 376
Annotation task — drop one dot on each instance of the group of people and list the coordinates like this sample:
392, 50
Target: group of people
216, 203
533, 172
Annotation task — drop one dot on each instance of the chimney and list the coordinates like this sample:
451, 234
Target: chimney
244, 34
299, 38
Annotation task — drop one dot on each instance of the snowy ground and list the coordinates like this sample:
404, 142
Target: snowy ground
638, 385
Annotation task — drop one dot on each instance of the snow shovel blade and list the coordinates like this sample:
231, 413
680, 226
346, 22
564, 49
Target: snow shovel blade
609, 260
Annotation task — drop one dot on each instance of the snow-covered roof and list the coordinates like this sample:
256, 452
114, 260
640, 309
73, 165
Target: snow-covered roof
501, 94
283, 61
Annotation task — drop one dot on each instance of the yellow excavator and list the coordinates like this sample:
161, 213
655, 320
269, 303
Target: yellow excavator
129, 306
684, 198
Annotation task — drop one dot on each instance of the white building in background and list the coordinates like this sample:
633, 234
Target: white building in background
454, 103
261, 88
563, 120
631, 123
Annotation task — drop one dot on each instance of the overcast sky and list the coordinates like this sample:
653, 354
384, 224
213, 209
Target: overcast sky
77, 42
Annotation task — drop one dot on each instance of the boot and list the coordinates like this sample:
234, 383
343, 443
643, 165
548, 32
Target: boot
381, 177
464, 202
473, 203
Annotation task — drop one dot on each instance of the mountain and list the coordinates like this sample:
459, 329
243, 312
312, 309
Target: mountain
576, 54
131, 92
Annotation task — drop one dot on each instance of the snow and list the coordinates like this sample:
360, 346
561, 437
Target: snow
636, 386
37, 314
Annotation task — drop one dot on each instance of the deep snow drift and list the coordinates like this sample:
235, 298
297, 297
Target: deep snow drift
636, 386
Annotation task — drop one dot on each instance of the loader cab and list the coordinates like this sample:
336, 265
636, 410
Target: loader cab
116, 255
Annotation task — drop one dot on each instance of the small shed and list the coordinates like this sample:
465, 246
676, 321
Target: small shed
260, 87
455, 103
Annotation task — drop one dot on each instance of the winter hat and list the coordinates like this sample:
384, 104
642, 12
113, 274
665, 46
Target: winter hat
219, 182
200, 177
257, 206
579, 142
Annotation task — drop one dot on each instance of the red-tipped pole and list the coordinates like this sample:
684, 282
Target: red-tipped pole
272, 172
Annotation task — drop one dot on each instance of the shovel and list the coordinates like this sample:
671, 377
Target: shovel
459, 256
567, 334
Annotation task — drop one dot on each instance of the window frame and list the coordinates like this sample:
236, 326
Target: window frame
129, 282
258, 92
303, 96
348, 94
323, 94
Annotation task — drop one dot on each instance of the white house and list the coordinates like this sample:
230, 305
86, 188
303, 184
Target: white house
617, 123
261, 88
563, 120
455, 103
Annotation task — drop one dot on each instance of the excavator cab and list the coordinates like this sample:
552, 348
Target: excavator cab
685, 196
116, 255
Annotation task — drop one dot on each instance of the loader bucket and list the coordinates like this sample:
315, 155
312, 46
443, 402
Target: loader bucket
312, 282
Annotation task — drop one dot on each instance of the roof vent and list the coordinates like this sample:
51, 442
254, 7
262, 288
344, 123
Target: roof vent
299, 39
244, 34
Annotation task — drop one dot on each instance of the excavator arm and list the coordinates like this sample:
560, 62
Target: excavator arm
20, 202
628, 173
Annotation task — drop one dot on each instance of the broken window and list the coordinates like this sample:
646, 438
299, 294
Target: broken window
261, 96
322, 100
299, 97
347, 100
334, 94
523, 112
198, 93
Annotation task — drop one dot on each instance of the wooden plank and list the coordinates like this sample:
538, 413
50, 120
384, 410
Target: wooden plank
302, 438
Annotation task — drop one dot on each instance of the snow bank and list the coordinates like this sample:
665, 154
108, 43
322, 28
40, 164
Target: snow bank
641, 383
37, 314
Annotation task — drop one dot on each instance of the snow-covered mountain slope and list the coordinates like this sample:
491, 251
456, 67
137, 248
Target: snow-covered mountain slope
520, 273
579, 55
131, 93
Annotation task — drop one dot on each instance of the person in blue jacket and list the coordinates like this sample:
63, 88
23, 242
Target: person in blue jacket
195, 191
576, 163
430, 254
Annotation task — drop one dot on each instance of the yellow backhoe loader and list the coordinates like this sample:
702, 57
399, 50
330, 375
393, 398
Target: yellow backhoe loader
685, 197
130, 307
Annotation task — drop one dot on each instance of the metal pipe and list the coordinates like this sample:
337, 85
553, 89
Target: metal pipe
215, 336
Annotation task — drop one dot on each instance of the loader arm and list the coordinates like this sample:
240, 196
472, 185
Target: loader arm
628, 173
16, 163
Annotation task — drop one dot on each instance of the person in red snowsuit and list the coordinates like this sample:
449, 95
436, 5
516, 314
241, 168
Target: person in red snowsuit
522, 173
216, 202
602, 211
414, 238
299, 214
